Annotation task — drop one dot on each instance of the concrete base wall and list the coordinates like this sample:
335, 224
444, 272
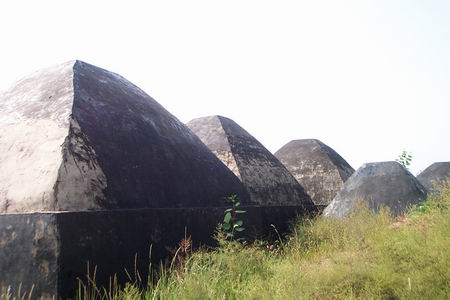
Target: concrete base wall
52, 250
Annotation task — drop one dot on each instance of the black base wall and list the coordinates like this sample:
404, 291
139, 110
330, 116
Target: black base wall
52, 251
29, 253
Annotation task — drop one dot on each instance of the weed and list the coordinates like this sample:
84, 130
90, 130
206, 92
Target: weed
232, 223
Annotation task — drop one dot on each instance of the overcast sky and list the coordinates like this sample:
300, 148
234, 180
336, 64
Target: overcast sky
368, 78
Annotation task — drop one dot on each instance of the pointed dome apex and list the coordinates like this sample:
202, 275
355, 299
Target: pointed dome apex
211, 118
79, 62
304, 141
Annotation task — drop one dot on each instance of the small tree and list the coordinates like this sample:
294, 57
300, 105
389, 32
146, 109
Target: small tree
231, 220
404, 159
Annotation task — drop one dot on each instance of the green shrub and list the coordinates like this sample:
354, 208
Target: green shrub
232, 222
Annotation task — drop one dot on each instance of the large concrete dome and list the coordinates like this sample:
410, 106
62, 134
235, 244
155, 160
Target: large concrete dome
77, 137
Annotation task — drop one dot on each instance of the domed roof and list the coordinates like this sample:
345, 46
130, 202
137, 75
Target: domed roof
78, 137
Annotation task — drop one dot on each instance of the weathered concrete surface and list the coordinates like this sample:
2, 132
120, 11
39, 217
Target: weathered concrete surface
318, 168
76, 137
52, 250
266, 179
379, 184
435, 175
29, 250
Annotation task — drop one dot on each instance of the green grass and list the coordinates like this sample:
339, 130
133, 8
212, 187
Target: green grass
364, 256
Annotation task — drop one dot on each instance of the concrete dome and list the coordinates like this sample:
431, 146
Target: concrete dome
266, 179
77, 137
436, 174
378, 184
318, 168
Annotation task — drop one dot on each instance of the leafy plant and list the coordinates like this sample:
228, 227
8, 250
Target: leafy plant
232, 223
404, 159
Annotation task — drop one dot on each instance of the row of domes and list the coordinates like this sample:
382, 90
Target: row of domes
321, 172
77, 137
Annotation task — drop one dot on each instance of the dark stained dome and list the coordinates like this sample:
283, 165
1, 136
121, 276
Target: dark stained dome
78, 137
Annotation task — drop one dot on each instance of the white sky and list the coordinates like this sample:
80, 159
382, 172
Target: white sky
368, 78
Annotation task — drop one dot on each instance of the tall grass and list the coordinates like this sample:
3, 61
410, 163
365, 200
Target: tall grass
364, 256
